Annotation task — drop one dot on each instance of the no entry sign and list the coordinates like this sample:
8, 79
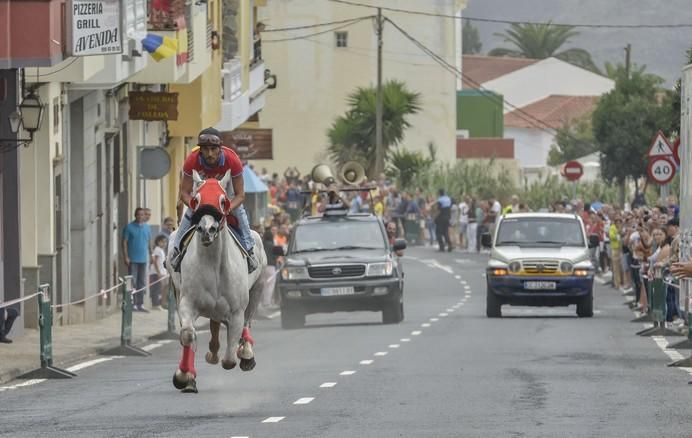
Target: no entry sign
572, 170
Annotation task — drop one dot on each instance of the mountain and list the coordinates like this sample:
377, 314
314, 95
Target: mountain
661, 50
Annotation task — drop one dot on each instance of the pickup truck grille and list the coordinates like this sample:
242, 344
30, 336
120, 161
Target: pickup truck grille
336, 271
541, 266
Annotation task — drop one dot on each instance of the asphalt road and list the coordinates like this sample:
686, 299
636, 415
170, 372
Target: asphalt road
446, 371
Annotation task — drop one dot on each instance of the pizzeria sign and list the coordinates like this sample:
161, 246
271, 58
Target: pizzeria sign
95, 27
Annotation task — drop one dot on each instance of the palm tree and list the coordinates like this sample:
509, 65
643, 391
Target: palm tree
352, 136
543, 40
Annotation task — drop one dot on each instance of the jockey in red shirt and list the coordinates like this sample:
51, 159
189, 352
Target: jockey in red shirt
212, 160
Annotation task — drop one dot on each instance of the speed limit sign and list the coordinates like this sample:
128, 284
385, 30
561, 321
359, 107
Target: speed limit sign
661, 169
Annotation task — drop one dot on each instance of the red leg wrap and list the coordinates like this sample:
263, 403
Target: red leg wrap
187, 363
247, 337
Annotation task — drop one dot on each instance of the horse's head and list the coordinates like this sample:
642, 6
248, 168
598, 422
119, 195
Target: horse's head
210, 205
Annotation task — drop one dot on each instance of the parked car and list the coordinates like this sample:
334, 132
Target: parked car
539, 259
340, 262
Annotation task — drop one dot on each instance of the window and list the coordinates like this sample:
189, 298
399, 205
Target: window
341, 39
540, 231
333, 235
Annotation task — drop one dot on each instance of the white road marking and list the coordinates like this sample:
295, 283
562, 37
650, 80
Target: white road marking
425, 324
452, 310
240, 437
435, 264
273, 419
405, 340
87, 364
152, 346
393, 345
303, 401
458, 277
416, 332
442, 314
367, 362
347, 373
467, 287
434, 319
274, 315
328, 385
381, 353
21, 385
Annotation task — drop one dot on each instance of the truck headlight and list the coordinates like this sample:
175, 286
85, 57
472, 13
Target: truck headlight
295, 273
566, 267
380, 269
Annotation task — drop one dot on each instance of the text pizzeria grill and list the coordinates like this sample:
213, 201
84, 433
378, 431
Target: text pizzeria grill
95, 40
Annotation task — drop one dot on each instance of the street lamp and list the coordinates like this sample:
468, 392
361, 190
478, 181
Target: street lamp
28, 115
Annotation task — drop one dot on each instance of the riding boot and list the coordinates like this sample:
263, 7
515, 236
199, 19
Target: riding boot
251, 261
176, 259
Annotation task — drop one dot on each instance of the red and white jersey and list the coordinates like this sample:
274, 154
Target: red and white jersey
228, 160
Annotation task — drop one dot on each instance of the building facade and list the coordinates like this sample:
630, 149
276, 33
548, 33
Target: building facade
317, 74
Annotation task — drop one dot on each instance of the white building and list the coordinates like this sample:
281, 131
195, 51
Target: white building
316, 74
540, 96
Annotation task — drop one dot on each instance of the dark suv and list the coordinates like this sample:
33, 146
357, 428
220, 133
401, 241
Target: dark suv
341, 262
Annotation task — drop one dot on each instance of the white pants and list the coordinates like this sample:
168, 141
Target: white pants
471, 236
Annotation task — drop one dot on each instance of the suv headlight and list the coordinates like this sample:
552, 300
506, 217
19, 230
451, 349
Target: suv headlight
566, 267
514, 267
380, 269
295, 273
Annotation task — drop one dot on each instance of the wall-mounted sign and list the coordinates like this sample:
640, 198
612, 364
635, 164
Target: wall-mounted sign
95, 27
154, 162
250, 144
148, 105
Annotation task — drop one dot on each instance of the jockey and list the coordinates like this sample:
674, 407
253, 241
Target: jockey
212, 160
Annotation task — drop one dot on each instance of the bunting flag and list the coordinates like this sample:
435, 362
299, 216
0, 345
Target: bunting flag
160, 47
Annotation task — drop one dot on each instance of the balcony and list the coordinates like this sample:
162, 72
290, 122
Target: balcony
235, 107
73, 69
257, 86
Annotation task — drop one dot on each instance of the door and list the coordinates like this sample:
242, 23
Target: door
58, 233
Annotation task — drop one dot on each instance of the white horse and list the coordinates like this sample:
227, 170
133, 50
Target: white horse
214, 283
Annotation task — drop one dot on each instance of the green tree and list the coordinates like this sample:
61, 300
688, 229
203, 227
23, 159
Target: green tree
470, 39
573, 140
540, 41
404, 165
352, 136
624, 122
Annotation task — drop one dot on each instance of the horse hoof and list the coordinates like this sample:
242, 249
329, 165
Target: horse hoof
191, 387
180, 379
228, 364
211, 358
247, 364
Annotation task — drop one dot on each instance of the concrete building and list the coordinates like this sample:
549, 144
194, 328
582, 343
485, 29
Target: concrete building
316, 74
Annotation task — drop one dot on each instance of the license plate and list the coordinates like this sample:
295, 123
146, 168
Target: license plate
539, 285
336, 291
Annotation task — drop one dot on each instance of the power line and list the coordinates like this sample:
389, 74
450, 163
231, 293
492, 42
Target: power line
311, 26
301, 37
58, 70
498, 21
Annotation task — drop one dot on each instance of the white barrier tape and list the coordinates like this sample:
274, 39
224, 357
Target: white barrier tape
150, 284
19, 300
102, 293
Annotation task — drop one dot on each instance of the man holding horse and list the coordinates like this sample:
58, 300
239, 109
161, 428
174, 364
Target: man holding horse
212, 160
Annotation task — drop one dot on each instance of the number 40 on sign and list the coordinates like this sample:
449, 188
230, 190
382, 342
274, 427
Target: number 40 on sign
661, 169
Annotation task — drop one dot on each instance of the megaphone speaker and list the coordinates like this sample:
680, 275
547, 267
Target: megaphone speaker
352, 173
322, 174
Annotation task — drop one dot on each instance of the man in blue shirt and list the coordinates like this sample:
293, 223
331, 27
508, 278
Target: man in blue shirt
444, 215
135, 246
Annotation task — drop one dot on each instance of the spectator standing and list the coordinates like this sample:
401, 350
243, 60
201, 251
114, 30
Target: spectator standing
167, 227
444, 204
135, 247
269, 274
463, 223
472, 229
7, 316
158, 291
454, 218
616, 252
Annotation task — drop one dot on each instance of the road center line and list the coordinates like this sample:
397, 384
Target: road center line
425, 324
366, 362
443, 314
347, 373
458, 277
273, 419
328, 385
381, 353
405, 339
434, 319
303, 401
416, 332
393, 345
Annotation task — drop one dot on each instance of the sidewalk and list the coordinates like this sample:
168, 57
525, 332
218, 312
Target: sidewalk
75, 342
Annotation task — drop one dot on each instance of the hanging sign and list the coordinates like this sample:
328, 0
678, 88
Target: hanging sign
94, 27
150, 105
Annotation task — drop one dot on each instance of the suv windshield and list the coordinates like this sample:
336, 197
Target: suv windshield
540, 231
327, 235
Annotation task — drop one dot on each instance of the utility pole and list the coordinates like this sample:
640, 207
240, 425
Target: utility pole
379, 110
628, 52
621, 189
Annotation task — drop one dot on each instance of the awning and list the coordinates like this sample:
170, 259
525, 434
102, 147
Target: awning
253, 183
